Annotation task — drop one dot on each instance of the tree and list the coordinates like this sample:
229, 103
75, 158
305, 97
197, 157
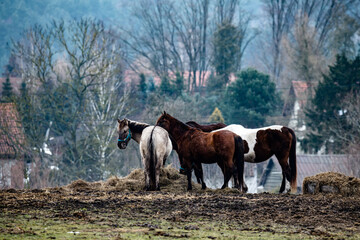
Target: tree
280, 14
327, 111
74, 97
225, 49
216, 116
142, 88
250, 99
179, 84
7, 92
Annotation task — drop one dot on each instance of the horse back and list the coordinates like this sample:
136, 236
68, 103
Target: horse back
206, 128
160, 140
208, 147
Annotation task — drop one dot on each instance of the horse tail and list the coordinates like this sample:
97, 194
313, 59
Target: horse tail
292, 162
152, 160
239, 160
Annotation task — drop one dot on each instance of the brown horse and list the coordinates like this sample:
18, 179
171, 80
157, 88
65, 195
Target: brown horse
195, 147
263, 143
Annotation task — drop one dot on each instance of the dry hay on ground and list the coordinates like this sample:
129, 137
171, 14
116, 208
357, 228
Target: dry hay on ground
331, 182
170, 181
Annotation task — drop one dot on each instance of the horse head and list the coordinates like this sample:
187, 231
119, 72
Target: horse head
124, 133
164, 121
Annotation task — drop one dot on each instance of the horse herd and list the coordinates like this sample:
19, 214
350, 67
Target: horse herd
228, 146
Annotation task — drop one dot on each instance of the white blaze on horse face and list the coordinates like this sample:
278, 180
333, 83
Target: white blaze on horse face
249, 135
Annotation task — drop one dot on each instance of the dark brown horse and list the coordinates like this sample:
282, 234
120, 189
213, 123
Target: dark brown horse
263, 143
195, 147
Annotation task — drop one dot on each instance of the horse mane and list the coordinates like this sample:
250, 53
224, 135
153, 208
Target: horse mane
180, 123
206, 128
137, 127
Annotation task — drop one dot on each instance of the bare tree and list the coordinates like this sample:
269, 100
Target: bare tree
154, 39
74, 74
280, 14
349, 133
310, 42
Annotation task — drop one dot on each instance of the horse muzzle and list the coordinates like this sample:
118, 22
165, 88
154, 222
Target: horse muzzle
122, 145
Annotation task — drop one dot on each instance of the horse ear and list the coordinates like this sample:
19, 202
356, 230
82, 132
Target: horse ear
119, 120
164, 113
126, 121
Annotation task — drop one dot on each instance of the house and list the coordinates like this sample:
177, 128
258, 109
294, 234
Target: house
307, 165
12, 138
294, 108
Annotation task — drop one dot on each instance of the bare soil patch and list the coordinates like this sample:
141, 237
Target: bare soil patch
320, 215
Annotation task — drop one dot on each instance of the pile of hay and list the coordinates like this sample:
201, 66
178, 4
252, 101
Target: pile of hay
331, 182
170, 181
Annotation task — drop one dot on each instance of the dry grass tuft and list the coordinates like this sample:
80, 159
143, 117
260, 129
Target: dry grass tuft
332, 182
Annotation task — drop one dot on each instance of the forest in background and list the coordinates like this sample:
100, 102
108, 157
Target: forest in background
205, 61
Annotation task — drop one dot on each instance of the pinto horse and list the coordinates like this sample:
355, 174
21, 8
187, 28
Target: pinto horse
154, 144
195, 147
263, 143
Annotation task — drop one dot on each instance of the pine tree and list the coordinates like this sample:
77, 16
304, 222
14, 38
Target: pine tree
165, 87
225, 49
250, 99
327, 110
142, 87
179, 84
7, 91
216, 116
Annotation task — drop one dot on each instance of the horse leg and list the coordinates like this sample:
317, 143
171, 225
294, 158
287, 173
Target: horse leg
146, 173
286, 172
157, 178
235, 178
241, 181
187, 166
147, 180
188, 174
227, 175
282, 188
199, 175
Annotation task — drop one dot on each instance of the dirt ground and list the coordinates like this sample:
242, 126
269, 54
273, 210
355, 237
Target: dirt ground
328, 216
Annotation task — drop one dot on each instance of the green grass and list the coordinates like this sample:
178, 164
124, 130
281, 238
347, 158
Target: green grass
85, 224
39, 226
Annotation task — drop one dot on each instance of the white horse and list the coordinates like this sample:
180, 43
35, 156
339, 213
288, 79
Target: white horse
154, 145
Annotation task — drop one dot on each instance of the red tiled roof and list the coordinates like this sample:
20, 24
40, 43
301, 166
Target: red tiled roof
11, 133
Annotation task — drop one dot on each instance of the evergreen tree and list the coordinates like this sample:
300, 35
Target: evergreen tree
327, 110
142, 87
166, 87
179, 84
7, 91
250, 99
151, 85
216, 116
225, 49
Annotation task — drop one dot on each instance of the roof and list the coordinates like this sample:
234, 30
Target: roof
11, 133
311, 164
